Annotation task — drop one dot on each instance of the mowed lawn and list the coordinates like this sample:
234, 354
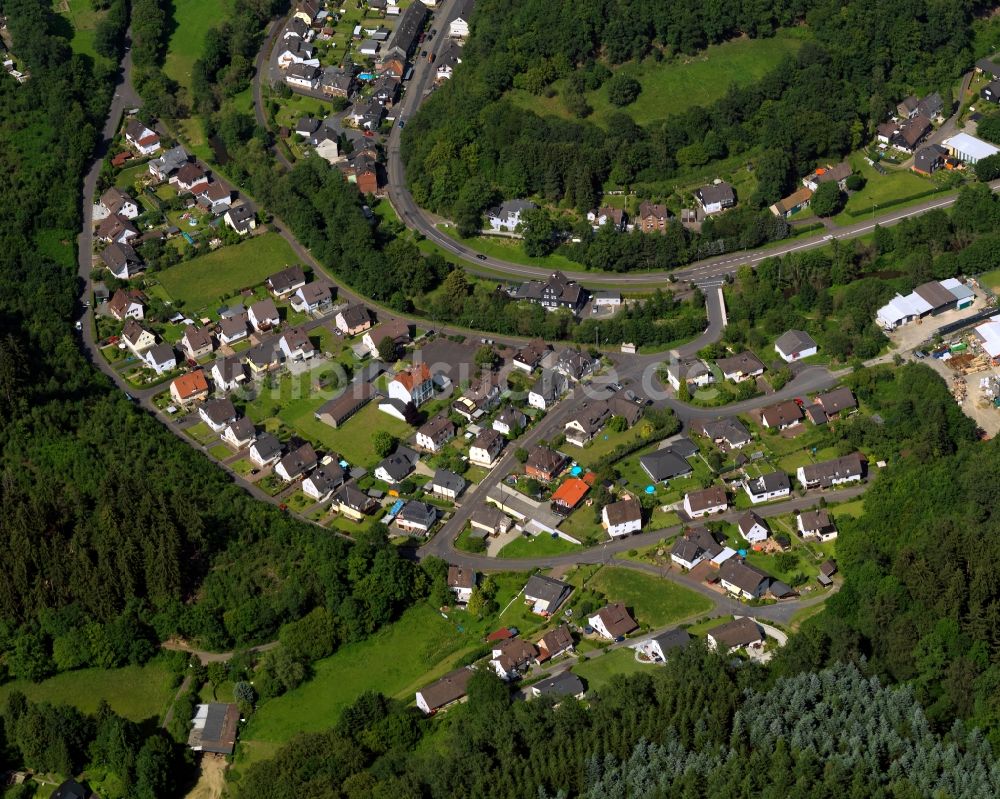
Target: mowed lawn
597, 672
208, 279
84, 19
511, 250
192, 20
896, 186
136, 692
537, 546
655, 602
688, 81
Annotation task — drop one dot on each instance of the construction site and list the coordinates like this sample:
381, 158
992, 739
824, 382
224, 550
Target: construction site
973, 378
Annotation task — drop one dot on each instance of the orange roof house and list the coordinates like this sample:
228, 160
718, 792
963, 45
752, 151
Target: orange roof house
188, 387
570, 493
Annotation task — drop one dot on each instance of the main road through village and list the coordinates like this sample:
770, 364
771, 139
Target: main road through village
638, 372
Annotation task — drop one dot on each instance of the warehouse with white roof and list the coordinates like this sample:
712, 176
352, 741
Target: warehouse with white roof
969, 148
926, 299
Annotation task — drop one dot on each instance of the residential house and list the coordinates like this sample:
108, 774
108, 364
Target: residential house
626, 405
127, 305
435, 433
263, 315
416, 518
986, 66
364, 171
233, 329
398, 331
991, 92
659, 647
552, 294
753, 528
664, 464
510, 421
575, 365
338, 410
196, 342
545, 594
404, 36
307, 12
396, 467
705, 501
912, 132
837, 401
142, 139
337, 82
622, 518
385, 89
794, 345
784, 414
241, 218
486, 448
481, 397
353, 319
213, 728
816, 524
605, 215
116, 230
931, 106
558, 686
740, 367
189, 388
286, 282
295, 345
263, 357
296, 51
218, 414
367, 116
215, 198
458, 28
569, 494
447, 485
239, 433
296, 463
743, 580
121, 260
137, 338
303, 76
652, 218
507, 216
613, 622
414, 385
729, 433
829, 174
163, 167
580, 430
693, 371
265, 451
68, 789
306, 126
160, 358
511, 657
907, 108
847, 469
489, 520
452, 687
528, 357
116, 202
767, 487
606, 301
228, 373
791, 204
694, 546
554, 643
320, 485
741, 633
544, 464
931, 158
312, 298
547, 390
715, 198
461, 582
353, 503
189, 179
827, 569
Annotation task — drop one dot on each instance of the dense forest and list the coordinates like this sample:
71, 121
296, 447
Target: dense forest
471, 143
697, 727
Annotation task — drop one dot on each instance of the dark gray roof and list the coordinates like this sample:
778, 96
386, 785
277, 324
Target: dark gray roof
400, 463
404, 37
418, 513
449, 480
286, 280
300, 460
730, 430
738, 632
547, 589
451, 687
839, 399
565, 683
826, 472
672, 639
794, 341
664, 464
326, 478
766, 483
684, 447
716, 193
267, 446
71, 789
744, 576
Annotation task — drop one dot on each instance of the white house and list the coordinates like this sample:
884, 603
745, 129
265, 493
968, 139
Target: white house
295, 464
735, 635
622, 518
458, 28
767, 487
612, 621
305, 76
311, 298
507, 216
461, 582
848, 469
218, 414
263, 315
705, 501
161, 358
794, 345
265, 450
485, 448
694, 371
115, 201
141, 138
435, 433
295, 345
241, 218
296, 51
320, 485
816, 524
752, 527
240, 433
547, 390
228, 373
137, 338
414, 385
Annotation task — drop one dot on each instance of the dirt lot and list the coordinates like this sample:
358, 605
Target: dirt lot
976, 406
212, 779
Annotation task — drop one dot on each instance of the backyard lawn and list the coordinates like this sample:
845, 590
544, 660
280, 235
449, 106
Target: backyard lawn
136, 692
597, 672
192, 20
205, 280
656, 602
537, 546
882, 190
680, 84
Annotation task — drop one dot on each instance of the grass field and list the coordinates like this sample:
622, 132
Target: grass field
881, 190
207, 279
192, 19
655, 602
511, 250
136, 692
597, 672
537, 546
84, 20
990, 280
678, 85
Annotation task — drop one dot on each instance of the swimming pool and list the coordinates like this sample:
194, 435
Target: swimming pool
366, 76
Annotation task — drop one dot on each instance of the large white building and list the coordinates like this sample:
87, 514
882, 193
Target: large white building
969, 148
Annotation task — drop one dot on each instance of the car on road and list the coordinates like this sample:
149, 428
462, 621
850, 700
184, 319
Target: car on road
433, 31
79, 325
129, 397
402, 122
481, 257
423, 54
